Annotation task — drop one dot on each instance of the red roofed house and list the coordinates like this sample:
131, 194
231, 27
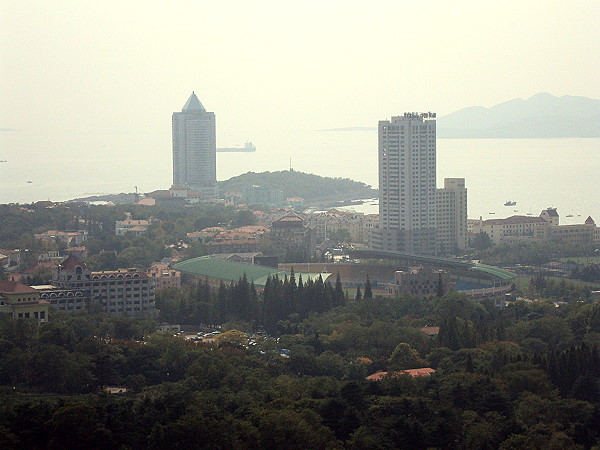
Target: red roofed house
21, 301
422, 372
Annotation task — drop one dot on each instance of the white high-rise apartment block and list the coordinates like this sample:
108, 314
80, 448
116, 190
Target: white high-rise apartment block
414, 216
194, 148
407, 190
452, 216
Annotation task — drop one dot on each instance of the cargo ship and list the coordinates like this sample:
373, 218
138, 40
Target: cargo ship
248, 147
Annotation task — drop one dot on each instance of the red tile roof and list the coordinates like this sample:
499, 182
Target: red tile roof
422, 372
431, 331
71, 262
12, 287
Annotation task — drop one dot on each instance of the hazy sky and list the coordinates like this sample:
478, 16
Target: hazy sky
116, 70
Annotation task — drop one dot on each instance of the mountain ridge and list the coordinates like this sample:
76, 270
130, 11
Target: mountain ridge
540, 116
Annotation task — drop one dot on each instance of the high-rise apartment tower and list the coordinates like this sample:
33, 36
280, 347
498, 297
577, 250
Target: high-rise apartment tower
414, 216
407, 189
194, 148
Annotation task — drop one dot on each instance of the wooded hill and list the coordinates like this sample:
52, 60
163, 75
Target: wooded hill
299, 184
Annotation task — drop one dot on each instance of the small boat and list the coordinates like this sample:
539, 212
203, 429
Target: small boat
3, 160
492, 213
516, 210
510, 203
29, 181
569, 215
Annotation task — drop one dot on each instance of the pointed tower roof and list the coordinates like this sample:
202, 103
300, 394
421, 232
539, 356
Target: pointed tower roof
193, 104
71, 262
589, 221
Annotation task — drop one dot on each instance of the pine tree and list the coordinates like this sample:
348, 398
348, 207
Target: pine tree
368, 292
358, 297
338, 298
440, 286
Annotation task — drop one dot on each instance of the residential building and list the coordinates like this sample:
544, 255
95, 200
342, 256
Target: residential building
331, 221
194, 148
134, 227
10, 259
246, 239
290, 235
68, 300
122, 292
407, 184
70, 238
22, 302
164, 277
452, 216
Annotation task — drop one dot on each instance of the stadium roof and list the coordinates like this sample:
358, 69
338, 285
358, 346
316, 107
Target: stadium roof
231, 271
503, 274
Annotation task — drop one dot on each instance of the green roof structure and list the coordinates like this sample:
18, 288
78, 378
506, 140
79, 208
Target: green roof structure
503, 274
230, 271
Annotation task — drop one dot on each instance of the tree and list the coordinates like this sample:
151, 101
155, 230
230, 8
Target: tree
368, 292
405, 357
481, 241
358, 296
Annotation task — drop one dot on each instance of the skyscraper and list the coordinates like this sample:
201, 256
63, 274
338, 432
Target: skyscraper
452, 216
407, 190
194, 148
414, 216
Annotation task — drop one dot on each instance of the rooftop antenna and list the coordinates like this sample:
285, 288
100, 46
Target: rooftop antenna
137, 196
291, 170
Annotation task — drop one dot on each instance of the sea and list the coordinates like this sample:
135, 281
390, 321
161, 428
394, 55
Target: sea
534, 173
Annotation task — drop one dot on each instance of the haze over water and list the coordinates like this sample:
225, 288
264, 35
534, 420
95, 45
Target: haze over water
536, 173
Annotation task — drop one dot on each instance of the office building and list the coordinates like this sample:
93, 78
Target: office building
194, 148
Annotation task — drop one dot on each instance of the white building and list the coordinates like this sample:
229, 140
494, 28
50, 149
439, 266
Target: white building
407, 184
452, 215
194, 148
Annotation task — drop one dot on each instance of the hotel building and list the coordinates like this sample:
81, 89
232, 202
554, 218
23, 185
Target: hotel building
194, 148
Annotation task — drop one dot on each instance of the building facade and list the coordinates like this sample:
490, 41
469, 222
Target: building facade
452, 216
407, 184
194, 148
122, 292
22, 302
421, 282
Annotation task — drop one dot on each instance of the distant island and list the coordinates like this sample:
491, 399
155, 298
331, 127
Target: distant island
312, 188
541, 116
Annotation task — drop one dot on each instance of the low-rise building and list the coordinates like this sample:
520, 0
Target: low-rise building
165, 277
70, 238
67, 300
22, 302
512, 229
421, 282
290, 234
575, 234
122, 292
135, 227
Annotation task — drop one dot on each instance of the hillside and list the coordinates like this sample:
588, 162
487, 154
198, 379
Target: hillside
541, 116
299, 184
